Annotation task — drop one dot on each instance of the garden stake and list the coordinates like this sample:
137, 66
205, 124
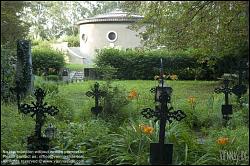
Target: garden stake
161, 153
226, 108
97, 94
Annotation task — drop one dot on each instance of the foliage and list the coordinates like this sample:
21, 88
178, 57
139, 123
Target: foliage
123, 141
7, 72
49, 22
52, 78
45, 59
211, 26
74, 67
47, 86
187, 65
65, 113
12, 27
73, 41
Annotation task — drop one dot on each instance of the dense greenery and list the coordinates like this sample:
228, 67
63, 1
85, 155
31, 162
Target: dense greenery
122, 141
73, 41
213, 27
12, 27
143, 64
46, 60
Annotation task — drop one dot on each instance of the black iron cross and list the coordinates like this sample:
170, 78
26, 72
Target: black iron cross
226, 108
162, 113
161, 153
97, 94
241, 89
39, 109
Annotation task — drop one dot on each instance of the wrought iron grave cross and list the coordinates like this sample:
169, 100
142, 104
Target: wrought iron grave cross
226, 108
241, 89
39, 110
161, 153
97, 94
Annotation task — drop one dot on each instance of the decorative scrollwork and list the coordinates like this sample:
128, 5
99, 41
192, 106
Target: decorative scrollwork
39, 110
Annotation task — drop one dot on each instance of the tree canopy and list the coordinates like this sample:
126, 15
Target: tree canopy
12, 27
210, 26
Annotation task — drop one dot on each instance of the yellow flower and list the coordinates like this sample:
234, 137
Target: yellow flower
146, 129
173, 77
132, 94
222, 140
191, 100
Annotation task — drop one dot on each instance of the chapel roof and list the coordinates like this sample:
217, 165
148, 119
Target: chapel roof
115, 16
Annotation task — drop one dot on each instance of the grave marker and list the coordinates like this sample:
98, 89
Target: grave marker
161, 153
97, 94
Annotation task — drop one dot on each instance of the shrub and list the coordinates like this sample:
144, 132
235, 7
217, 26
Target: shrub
46, 59
73, 41
187, 65
52, 78
7, 73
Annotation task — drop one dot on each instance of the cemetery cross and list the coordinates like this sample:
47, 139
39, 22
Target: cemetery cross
162, 113
40, 110
241, 89
226, 108
97, 94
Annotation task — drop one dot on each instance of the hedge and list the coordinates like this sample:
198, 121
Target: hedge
142, 64
46, 59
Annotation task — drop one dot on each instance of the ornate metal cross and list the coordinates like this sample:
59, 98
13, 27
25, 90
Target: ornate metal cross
161, 153
97, 94
39, 110
241, 89
226, 108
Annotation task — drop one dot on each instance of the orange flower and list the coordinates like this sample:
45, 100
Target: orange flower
132, 94
222, 140
146, 129
173, 77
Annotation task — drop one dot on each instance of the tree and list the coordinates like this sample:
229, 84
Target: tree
53, 19
12, 27
210, 26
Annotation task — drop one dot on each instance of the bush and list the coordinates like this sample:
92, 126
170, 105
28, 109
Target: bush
7, 73
187, 65
53, 78
45, 59
73, 41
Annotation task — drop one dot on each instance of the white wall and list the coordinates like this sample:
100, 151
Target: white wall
97, 37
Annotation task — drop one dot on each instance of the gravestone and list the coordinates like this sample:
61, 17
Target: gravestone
24, 66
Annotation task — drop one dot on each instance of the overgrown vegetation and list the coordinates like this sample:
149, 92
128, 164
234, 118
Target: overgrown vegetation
118, 140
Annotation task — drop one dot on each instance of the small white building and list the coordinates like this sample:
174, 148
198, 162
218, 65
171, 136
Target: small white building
105, 30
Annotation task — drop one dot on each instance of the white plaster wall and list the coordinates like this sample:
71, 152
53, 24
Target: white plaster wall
97, 37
